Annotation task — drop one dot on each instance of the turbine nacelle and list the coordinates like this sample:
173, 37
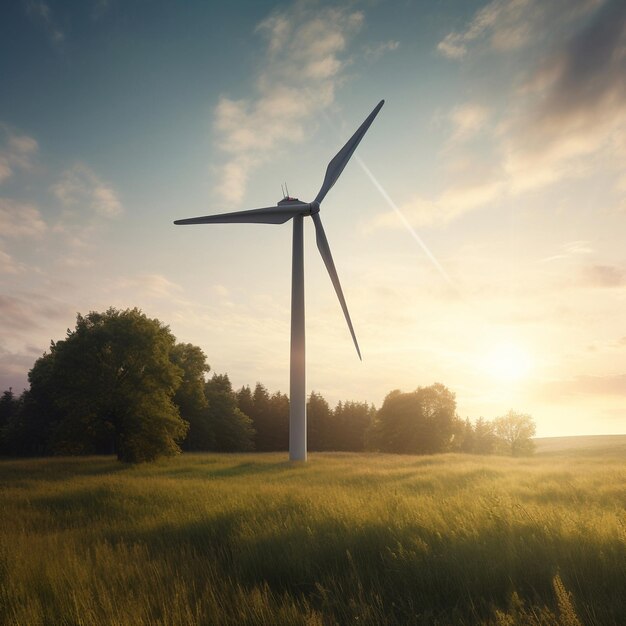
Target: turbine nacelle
307, 208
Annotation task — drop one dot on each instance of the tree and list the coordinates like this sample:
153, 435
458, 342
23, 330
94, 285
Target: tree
232, 429
462, 435
514, 431
420, 422
484, 437
279, 421
261, 418
319, 423
190, 396
109, 387
270, 417
245, 401
8, 410
351, 421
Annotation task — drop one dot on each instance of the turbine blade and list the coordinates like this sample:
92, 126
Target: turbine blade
267, 215
323, 247
335, 167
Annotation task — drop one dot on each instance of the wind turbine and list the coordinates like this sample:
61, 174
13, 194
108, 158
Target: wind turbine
292, 208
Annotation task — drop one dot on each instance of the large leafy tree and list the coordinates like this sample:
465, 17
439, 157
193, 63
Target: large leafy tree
419, 422
109, 386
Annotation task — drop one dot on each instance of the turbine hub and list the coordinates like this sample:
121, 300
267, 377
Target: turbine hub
315, 207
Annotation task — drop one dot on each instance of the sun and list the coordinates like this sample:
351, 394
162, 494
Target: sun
508, 361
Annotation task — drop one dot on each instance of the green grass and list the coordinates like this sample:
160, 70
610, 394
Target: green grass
347, 538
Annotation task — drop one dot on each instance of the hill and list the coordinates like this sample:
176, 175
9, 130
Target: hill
583, 444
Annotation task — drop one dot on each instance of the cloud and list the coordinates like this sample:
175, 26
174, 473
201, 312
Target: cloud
569, 250
19, 219
603, 276
148, 285
375, 51
13, 368
450, 204
41, 13
88, 203
26, 320
16, 152
565, 115
8, 265
303, 64
467, 120
505, 25
575, 105
80, 187
27, 311
612, 384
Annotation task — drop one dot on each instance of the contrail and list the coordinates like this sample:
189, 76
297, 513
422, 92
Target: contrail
406, 223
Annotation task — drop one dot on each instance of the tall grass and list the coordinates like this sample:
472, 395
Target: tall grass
347, 538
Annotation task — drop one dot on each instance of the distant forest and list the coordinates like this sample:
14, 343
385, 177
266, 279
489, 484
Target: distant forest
119, 383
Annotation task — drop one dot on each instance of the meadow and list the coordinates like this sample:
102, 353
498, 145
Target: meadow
345, 539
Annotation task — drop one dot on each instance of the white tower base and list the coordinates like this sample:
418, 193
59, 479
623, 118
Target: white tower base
297, 382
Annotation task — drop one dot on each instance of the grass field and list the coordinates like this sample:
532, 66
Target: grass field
347, 538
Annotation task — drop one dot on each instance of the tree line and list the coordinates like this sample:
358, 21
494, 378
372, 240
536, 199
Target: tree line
119, 383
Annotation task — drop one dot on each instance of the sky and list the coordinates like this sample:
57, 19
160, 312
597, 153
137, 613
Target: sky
478, 231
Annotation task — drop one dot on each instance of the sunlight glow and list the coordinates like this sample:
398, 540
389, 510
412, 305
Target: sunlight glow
508, 362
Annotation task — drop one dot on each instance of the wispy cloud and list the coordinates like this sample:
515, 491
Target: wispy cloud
569, 250
304, 59
26, 318
13, 368
611, 384
504, 25
603, 276
80, 187
565, 115
441, 210
29, 311
574, 105
19, 219
88, 203
147, 285
373, 52
16, 152
41, 13
467, 120
8, 265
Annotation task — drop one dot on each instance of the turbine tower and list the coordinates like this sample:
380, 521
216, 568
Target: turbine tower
287, 209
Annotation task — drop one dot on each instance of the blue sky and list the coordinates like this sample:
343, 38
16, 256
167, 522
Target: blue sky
501, 148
